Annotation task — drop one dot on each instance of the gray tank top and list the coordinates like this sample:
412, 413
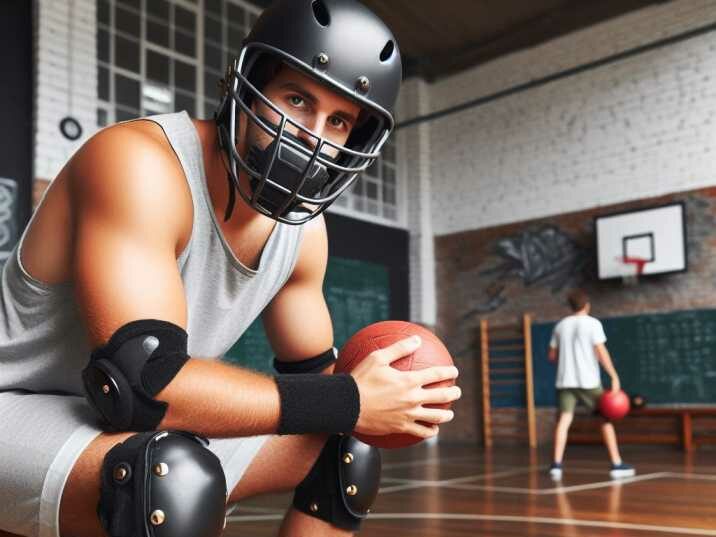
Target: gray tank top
43, 341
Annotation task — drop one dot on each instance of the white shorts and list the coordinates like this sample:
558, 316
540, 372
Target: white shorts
41, 438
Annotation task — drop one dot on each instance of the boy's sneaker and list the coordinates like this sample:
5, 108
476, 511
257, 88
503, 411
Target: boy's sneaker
555, 470
622, 470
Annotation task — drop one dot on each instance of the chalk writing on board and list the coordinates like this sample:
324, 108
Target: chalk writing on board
668, 357
8, 222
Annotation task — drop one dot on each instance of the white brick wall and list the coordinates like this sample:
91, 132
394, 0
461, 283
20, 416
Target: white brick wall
414, 174
640, 127
64, 29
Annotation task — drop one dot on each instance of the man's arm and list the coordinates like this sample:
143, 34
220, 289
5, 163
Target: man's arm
131, 207
553, 353
297, 322
606, 360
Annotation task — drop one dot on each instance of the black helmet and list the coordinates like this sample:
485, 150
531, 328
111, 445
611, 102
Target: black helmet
346, 47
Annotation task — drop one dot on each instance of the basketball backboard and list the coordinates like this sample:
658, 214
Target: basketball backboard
656, 235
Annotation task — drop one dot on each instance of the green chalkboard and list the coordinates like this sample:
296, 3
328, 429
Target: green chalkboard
357, 294
668, 357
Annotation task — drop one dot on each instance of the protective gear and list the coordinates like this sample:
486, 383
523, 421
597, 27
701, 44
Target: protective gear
309, 365
162, 484
346, 47
343, 483
125, 375
317, 403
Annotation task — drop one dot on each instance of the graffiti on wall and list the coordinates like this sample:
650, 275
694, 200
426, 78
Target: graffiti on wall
8, 222
543, 255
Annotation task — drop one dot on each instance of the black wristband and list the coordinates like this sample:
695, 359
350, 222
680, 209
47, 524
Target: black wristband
314, 403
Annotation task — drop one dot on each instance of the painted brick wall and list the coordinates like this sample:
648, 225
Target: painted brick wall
643, 126
473, 283
414, 173
66, 75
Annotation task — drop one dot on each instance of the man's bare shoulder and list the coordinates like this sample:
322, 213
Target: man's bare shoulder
131, 170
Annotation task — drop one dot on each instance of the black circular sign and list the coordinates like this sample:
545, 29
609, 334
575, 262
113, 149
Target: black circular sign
70, 128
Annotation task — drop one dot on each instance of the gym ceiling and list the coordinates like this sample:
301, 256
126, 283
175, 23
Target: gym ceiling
441, 37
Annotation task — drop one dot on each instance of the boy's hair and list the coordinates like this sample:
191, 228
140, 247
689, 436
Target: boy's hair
577, 299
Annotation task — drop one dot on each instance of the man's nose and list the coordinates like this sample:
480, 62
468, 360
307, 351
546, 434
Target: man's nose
316, 125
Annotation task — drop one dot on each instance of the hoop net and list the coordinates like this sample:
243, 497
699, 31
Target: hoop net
634, 267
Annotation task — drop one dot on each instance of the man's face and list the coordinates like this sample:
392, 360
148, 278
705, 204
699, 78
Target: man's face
310, 104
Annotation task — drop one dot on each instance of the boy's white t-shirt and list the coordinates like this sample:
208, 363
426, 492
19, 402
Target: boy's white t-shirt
575, 337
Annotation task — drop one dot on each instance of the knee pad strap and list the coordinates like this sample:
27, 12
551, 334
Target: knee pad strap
343, 483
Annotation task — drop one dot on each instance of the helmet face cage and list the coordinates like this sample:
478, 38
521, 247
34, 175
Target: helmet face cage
317, 178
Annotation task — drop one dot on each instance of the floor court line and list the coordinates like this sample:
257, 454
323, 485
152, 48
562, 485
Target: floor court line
432, 460
456, 484
407, 484
561, 490
508, 518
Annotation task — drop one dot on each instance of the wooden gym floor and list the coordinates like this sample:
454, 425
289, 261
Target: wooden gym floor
438, 491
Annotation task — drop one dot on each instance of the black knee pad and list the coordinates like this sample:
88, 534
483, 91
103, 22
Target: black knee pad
162, 484
343, 483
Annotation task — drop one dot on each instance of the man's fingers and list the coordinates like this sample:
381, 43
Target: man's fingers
437, 396
423, 430
435, 415
429, 375
398, 350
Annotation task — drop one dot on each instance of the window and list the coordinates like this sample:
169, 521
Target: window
226, 24
375, 192
148, 58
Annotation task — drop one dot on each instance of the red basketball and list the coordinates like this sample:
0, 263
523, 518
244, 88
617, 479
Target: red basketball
376, 336
614, 405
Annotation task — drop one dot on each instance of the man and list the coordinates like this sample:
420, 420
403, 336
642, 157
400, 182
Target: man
140, 264
577, 345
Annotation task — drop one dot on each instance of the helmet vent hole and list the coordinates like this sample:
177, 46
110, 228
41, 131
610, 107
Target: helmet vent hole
387, 51
320, 11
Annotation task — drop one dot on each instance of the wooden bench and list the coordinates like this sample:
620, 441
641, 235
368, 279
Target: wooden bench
687, 427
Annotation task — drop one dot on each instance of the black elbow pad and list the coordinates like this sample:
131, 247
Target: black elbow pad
125, 375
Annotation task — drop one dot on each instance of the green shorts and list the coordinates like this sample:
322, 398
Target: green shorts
568, 398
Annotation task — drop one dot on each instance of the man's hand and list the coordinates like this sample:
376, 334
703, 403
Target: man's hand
392, 400
553, 354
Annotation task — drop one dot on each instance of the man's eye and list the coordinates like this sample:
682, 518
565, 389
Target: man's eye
336, 122
296, 100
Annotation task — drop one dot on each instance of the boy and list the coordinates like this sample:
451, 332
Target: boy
577, 345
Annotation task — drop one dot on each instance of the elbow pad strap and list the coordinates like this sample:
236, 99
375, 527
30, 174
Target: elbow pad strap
125, 375
309, 365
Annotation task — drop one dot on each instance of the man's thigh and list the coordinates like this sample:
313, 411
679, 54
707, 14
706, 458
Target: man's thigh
41, 437
280, 465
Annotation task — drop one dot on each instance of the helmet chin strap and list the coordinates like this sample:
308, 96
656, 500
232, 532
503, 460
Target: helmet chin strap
286, 170
232, 198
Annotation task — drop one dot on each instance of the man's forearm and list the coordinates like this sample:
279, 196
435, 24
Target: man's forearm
217, 400
606, 361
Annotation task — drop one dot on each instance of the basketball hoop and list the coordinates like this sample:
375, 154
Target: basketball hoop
634, 267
